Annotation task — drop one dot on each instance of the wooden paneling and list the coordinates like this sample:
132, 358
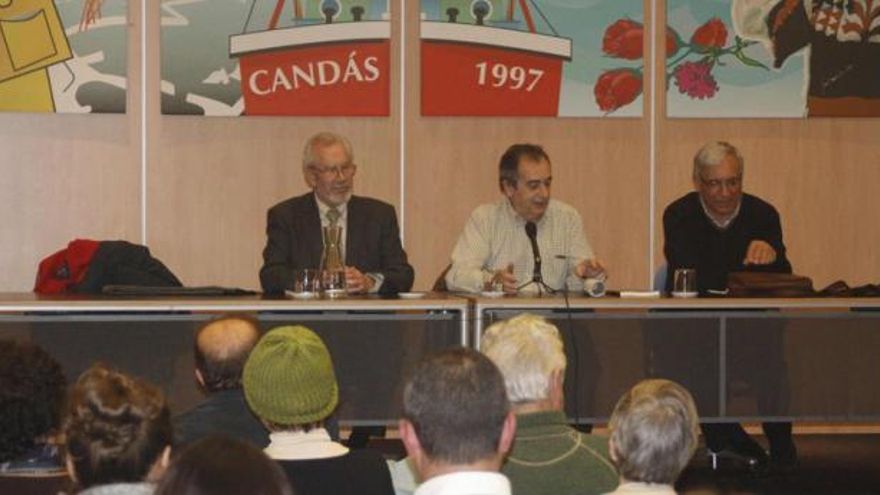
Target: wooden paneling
68, 176
210, 180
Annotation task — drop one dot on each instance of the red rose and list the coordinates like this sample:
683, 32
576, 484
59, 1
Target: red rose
623, 39
713, 34
616, 88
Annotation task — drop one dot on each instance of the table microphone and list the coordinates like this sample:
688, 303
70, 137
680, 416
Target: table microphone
532, 232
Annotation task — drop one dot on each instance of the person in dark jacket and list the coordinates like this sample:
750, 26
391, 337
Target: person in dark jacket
372, 253
221, 348
718, 229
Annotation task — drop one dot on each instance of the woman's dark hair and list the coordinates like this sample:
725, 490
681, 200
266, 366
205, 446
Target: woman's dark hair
116, 427
32, 388
219, 465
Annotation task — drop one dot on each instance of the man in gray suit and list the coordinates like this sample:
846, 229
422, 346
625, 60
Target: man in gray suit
374, 258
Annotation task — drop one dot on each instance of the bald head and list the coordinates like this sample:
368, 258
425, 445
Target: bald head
222, 347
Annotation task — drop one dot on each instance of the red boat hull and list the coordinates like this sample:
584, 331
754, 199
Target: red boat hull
451, 82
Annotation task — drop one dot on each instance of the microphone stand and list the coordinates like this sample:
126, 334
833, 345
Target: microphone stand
537, 278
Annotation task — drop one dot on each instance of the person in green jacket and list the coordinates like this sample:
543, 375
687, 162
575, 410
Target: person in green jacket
548, 456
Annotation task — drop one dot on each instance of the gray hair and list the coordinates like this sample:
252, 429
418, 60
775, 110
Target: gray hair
711, 154
322, 140
654, 431
527, 349
456, 403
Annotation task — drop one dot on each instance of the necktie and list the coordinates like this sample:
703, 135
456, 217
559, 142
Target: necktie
333, 216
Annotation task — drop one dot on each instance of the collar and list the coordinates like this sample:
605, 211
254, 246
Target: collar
323, 208
466, 483
545, 420
301, 445
640, 487
520, 221
721, 224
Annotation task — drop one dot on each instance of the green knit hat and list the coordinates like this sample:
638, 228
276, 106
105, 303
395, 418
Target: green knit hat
288, 378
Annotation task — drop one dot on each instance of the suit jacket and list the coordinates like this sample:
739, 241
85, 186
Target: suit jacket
372, 242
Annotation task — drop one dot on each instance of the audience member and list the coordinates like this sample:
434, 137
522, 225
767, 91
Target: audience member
548, 456
654, 432
494, 247
117, 432
457, 424
289, 382
221, 348
32, 389
220, 465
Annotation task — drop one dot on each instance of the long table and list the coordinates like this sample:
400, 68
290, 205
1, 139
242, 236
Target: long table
743, 359
812, 359
375, 342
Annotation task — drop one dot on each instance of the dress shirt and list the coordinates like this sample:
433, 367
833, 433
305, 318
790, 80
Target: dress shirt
638, 488
495, 236
466, 483
323, 208
302, 445
721, 224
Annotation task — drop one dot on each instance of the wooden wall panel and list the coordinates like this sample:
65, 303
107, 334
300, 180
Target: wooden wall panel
822, 176
68, 176
214, 180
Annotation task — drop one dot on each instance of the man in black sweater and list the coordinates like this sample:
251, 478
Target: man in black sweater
717, 229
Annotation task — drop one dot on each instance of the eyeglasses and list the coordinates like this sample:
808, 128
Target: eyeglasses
345, 170
731, 182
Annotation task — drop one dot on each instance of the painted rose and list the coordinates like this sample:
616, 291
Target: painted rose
623, 39
712, 34
616, 88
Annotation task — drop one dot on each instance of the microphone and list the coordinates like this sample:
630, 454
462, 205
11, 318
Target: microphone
532, 232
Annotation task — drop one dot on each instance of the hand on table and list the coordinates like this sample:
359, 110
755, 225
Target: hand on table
506, 278
590, 268
357, 282
759, 253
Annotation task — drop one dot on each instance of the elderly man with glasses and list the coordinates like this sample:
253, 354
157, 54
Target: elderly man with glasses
719, 229
374, 258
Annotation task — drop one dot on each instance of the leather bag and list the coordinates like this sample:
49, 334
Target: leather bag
763, 284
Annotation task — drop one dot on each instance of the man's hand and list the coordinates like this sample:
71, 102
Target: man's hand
590, 268
357, 282
759, 253
506, 278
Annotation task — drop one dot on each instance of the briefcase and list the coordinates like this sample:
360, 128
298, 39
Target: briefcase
763, 284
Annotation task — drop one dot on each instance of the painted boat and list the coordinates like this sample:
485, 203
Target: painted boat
483, 70
332, 69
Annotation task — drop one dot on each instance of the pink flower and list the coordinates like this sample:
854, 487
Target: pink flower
695, 79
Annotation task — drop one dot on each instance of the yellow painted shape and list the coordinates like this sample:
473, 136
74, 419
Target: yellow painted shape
28, 93
29, 40
31, 37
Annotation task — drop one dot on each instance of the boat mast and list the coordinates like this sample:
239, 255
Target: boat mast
527, 14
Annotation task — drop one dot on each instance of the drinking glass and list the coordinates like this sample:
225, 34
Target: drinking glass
684, 282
